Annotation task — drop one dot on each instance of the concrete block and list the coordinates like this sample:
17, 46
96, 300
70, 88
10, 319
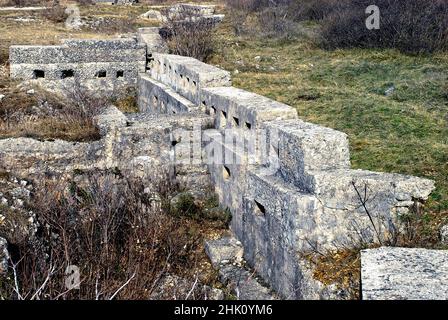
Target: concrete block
187, 76
237, 108
404, 274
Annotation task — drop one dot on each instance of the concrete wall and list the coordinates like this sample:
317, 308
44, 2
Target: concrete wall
187, 76
288, 183
96, 63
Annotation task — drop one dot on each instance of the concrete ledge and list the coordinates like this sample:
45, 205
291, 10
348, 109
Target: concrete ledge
404, 274
301, 147
155, 97
186, 75
237, 108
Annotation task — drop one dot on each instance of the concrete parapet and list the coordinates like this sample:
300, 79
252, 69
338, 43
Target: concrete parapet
155, 97
187, 76
237, 108
116, 61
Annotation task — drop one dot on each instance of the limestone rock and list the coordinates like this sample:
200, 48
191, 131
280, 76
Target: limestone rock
404, 274
226, 249
226, 255
172, 287
110, 118
4, 256
444, 234
152, 15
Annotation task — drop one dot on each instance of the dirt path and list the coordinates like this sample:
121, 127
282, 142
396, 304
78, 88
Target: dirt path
22, 9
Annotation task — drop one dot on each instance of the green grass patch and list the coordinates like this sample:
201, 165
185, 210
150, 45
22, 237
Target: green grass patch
404, 131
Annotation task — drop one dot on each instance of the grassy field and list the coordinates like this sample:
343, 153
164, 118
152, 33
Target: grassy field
405, 131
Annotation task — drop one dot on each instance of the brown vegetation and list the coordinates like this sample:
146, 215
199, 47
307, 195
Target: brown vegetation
122, 239
188, 34
44, 115
414, 26
56, 13
340, 268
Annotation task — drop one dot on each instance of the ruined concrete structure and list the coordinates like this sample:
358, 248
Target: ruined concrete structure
107, 64
287, 182
404, 274
185, 11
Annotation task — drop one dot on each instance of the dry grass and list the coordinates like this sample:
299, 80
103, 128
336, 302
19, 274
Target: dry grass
113, 231
340, 268
48, 129
188, 34
18, 115
45, 115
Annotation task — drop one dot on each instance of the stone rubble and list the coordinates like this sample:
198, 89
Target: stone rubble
444, 234
226, 255
172, 287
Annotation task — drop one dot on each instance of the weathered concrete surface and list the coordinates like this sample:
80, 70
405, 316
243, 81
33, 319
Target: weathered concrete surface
224, 250
348, 197
106, 63
184, 11
26, 156
155, 97
226, 256
237, 108
187, 76
404, 274
444, 234
302, 147
151, 38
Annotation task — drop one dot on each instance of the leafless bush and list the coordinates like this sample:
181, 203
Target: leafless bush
276, 22
121, 239
46, 115
314, 10
189, 34
262, 17
56, 14
82, 103
412, 26
256, 5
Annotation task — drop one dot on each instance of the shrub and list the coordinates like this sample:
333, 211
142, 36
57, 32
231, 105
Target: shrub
115, 233
412, 26
56, 14
275, 22
314, 10
265, 18
55, 117
188, 34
